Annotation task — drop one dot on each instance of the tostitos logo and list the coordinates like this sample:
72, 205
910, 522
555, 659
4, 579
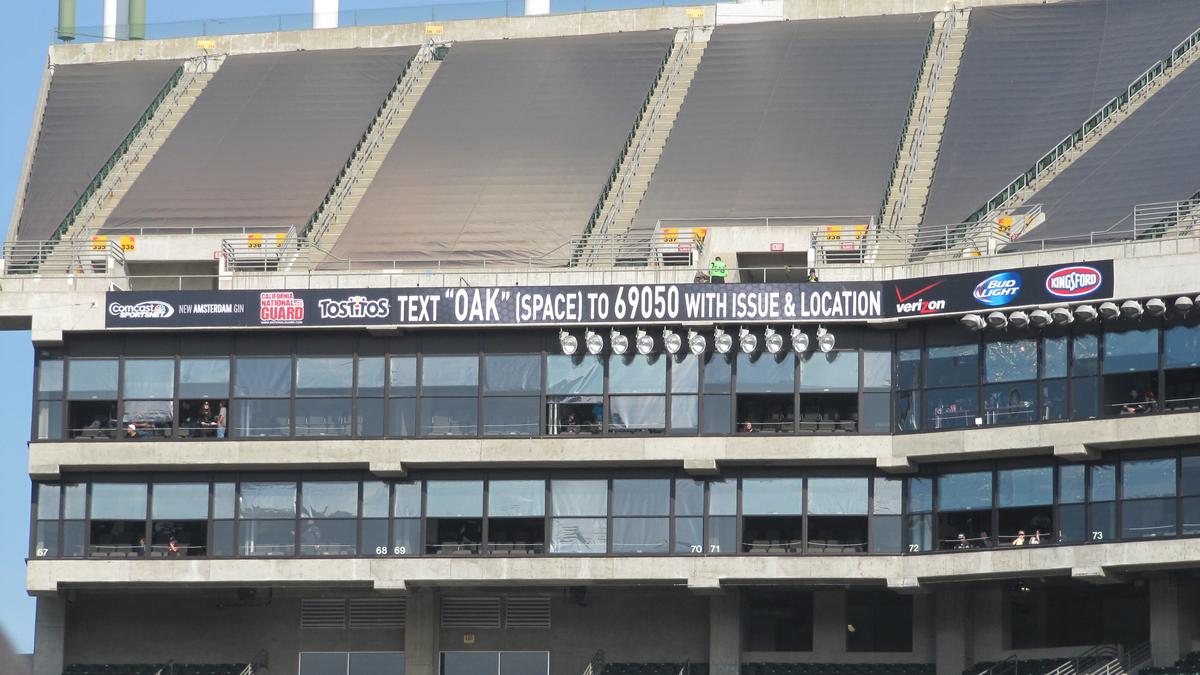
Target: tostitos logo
1075, 281
150, 309
998, 289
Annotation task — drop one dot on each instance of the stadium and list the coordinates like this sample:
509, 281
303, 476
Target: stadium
791, 337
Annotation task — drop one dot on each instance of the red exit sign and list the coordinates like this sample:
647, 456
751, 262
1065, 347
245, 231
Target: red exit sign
777, 247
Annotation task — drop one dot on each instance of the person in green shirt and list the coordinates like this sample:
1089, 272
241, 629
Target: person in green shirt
717, 271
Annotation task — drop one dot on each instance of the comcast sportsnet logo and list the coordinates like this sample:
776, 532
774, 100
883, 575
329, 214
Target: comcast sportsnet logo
149, 309
1077, 281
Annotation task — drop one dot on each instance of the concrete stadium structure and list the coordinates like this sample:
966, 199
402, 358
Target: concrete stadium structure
405, 348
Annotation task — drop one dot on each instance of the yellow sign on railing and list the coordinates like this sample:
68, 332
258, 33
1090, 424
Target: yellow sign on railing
280, 237
99, 242
434, 29
128, 242
860, 232
695, 12
254, 241
670, 235
699, 233
833, 232
206, 43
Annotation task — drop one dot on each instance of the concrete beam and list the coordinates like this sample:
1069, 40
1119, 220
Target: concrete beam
1076, 452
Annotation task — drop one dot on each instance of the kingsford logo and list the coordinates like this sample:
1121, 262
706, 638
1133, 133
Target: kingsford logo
150, 309
354, 307
998, 289
1074, 282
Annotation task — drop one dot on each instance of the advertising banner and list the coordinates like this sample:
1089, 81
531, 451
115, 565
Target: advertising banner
610, 305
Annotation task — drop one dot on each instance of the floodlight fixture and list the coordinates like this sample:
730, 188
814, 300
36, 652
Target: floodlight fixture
972, 322
697, 343
1018, 319
1132, 309
825, 340
1109, 311
997, 320
1040, 318
747, 341
772, 341
619, 342
1183, 304
722, 341
1156, 307
799, 340
643, 342
568, 342
671, 341
593, 341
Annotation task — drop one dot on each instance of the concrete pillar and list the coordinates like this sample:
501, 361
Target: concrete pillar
537, 7
950, 618
1168, 641
421, 632
989, 639
724, 633
829, 625
116, 14
50, 633
325, 13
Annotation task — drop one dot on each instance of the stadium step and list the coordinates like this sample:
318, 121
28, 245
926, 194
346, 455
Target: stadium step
344, 196
916, 156
622, 197
139, 148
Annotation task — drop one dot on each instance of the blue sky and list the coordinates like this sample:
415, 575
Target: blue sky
31, 27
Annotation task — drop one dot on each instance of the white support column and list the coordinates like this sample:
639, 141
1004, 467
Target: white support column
950, 618
50, 633
325, 13
724, 632
537, 7
1167, 605
116, 14
421, 632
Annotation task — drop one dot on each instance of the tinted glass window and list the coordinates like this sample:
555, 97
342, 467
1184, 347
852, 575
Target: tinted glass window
1131, 350
765, 373
50, 378
118, 501
1026, 487
1104, 482
718, 373
837, 496
408, 499
1190, 476
689, 497
92, 379
772, 496
449, 375
920, 495
637, 374
375, 499
516, 498
512, 374
952, 365
1054, 356
887, 496
1181, 347
48, 502
1085, 359
203, 378
263, 377
268, 500
149, 378
908, 369
965, 491
324, 376
685, 374
1010, 360
454, 498
524, 663
722, 497
821, 371
1070, 484
180, 500
579, 497
402, 375
329, 499
641, 497
370, 376
877, 369
1148, 478
574, 374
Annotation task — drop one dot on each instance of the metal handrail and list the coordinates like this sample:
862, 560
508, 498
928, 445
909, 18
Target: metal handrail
912, 103
371, 138
1120, 102
1087, 659
1155, 220
54, 256
116, 155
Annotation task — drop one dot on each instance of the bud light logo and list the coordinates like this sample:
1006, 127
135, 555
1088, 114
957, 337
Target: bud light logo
1076, 281
998, 289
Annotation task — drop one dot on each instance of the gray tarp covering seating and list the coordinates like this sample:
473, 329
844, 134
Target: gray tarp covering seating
508, 150
1153, 156
790, 119
89, 110
264, 141
1031, 75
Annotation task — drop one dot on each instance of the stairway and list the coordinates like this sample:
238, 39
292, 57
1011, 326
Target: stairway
330, 218
619, 203
139, 147
1098, 126
908, 190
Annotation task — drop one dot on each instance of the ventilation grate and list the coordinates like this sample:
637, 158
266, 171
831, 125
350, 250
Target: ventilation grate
323, 613
527, 611
377, 612
471, 612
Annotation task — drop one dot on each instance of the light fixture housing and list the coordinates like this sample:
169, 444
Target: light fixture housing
1109, 311
1132, 309
1040, 318
972, 321
1183, 304
697, 343
1062, 315
619, 342
568, 342
643, 342
1156, 307
772, 341
1085, 313
671, 341
593, 342
747, 341
825, 340
722, 341
799, 340
1018, 319
997, 320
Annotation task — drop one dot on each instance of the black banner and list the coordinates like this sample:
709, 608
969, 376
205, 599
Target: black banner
609, 305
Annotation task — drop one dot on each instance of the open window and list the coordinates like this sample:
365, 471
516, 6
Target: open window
149, 392
1130, 372
766, 393
328, 518
574, 394
829, 391
1026, 501
454, 517
179, 520
579, 516
964, 508
118, 520
837, 515
637, 386
772, 515
516, 517
92, 398
1181, 360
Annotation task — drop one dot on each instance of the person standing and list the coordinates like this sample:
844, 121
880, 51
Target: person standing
717, 271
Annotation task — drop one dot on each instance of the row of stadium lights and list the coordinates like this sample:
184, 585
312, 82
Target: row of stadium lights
697, 343
1108, 311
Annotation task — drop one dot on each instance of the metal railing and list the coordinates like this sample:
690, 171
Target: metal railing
372, 136
595, 666
117, 154
1127, 662
914, 148
1140, 87
1158, 219
912, 103
1005, 667
625, 149
1087, 660
70, 257
264, 253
